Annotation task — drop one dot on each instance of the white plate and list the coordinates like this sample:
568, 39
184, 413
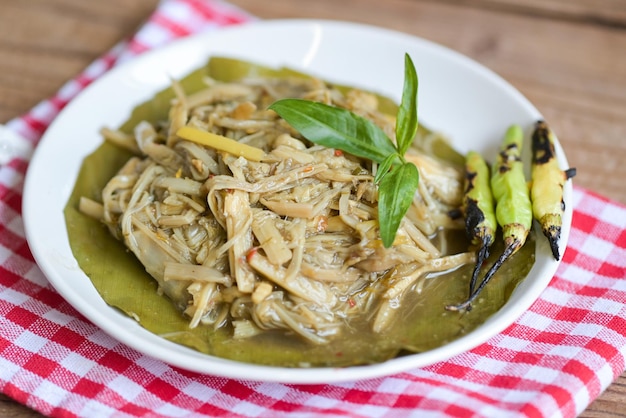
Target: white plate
457, 96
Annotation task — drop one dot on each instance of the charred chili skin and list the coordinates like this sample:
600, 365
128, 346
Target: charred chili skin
478, 208
513, 206
510, 190
547, 185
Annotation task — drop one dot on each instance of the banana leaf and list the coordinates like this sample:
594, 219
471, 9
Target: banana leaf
123, 283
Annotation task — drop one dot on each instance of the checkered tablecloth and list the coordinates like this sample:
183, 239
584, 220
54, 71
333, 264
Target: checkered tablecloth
552, 362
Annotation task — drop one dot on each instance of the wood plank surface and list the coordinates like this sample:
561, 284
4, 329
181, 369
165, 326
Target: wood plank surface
567, 56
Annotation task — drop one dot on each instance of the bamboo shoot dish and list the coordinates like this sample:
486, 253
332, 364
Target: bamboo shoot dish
267, 245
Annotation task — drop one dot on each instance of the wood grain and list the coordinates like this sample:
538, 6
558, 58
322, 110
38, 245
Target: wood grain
45, 43
566, 56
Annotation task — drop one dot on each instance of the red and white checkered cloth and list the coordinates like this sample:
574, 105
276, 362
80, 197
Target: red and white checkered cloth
552, 362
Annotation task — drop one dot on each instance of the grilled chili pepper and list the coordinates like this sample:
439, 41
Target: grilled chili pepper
478, 208
547, 185
513, 207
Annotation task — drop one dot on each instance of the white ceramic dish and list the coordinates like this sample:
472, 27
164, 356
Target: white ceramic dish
457, 96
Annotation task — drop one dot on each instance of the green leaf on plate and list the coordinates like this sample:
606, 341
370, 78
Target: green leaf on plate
385, 166
395, 195
406, 122
335, 127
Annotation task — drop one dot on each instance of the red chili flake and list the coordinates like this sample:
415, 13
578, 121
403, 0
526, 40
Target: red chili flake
338, 153
251, 253
351, 302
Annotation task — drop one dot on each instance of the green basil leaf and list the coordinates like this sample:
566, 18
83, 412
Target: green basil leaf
341, 129
406, 121
384, 167
395, 195
335, 127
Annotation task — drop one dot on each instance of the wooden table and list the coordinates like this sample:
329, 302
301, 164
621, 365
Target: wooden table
567, 56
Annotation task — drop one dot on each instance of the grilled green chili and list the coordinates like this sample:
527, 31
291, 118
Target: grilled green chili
513, 206
478, 208
547, 185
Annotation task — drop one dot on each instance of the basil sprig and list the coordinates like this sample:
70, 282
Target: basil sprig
339, 128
